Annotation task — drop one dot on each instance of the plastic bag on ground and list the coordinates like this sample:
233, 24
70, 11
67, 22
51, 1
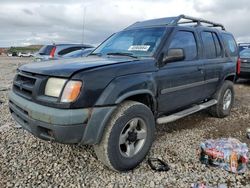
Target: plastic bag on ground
227, 153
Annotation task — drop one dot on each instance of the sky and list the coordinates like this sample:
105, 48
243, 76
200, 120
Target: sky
26, 22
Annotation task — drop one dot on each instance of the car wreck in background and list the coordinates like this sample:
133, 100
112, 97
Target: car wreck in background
55, 51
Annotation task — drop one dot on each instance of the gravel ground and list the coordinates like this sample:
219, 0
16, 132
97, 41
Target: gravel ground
26, 161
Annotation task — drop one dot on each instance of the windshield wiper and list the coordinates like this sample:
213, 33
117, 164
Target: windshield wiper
122, 54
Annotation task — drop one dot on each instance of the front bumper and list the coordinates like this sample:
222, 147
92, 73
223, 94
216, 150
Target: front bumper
83, 126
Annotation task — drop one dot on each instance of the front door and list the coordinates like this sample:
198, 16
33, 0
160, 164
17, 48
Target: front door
181, 83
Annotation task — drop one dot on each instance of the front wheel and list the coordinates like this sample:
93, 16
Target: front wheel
128, 137
225, 98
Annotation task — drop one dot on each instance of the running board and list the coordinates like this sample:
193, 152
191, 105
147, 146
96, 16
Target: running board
181, 114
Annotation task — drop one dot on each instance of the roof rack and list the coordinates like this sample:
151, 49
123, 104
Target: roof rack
198, 21
182, 19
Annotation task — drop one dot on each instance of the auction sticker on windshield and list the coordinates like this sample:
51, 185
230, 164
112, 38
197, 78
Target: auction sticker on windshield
143, 48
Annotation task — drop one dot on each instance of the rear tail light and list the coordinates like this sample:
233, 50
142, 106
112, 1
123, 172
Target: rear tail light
238, 66
52, 53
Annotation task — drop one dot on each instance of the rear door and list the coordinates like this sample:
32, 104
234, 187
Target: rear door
181, 83
214, 60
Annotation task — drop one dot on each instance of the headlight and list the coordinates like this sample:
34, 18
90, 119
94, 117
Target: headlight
71, 91
54, 87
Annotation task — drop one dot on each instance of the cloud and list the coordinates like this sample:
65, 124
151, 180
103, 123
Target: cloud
233, 14
43, 21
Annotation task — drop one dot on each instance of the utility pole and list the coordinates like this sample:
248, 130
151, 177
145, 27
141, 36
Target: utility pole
83, 23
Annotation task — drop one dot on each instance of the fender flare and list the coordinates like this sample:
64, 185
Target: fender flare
228, 75
137, 92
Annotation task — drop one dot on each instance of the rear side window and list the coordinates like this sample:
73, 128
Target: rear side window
45, 50
68, 50
209, 45
230, 44
186, 41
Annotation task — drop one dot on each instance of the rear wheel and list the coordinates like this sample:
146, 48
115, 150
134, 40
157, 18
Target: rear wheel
127, 138
225, 98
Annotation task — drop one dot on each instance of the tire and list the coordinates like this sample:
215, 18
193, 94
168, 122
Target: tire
221, 109
130, 120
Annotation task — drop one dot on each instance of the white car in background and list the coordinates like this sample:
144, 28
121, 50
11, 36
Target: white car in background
24, 54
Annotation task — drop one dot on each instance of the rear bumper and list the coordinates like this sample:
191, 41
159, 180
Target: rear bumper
245, 70
61, 125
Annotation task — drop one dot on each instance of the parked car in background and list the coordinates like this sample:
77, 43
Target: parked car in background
243, 46
14, 54
78, 53
244, 65
24, 54
54, 51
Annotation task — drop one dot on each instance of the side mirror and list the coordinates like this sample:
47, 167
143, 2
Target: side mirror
173, 55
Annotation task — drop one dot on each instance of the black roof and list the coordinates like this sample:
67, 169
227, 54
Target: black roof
174, 21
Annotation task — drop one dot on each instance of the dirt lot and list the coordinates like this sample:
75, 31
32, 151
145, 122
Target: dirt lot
26, 161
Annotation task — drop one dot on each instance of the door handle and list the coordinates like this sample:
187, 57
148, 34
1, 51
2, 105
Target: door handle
201, 69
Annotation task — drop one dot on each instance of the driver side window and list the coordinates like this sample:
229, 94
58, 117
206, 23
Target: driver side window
186, 41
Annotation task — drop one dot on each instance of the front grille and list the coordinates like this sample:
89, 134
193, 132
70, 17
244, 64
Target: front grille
24, 85
31, 86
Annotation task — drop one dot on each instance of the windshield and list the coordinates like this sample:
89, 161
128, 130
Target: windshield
136, 42
245, 53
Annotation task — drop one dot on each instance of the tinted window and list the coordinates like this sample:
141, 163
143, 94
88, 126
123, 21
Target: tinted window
209, 45
77, 53
186, 41
45, 50
230, 44
68, 50
217, 45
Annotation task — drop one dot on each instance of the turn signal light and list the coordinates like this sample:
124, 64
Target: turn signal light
71, 91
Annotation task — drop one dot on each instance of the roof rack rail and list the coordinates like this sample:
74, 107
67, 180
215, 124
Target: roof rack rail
174, 21
198, 21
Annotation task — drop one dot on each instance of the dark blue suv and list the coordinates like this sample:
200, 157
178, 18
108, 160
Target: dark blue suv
154, 71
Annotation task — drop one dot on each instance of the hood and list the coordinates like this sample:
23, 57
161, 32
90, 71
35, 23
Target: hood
67, 67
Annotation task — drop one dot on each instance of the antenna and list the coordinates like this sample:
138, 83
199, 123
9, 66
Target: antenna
83, 23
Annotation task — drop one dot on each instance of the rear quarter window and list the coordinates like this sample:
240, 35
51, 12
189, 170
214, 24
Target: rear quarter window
230, 44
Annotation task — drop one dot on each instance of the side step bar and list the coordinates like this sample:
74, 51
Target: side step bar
181, 114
